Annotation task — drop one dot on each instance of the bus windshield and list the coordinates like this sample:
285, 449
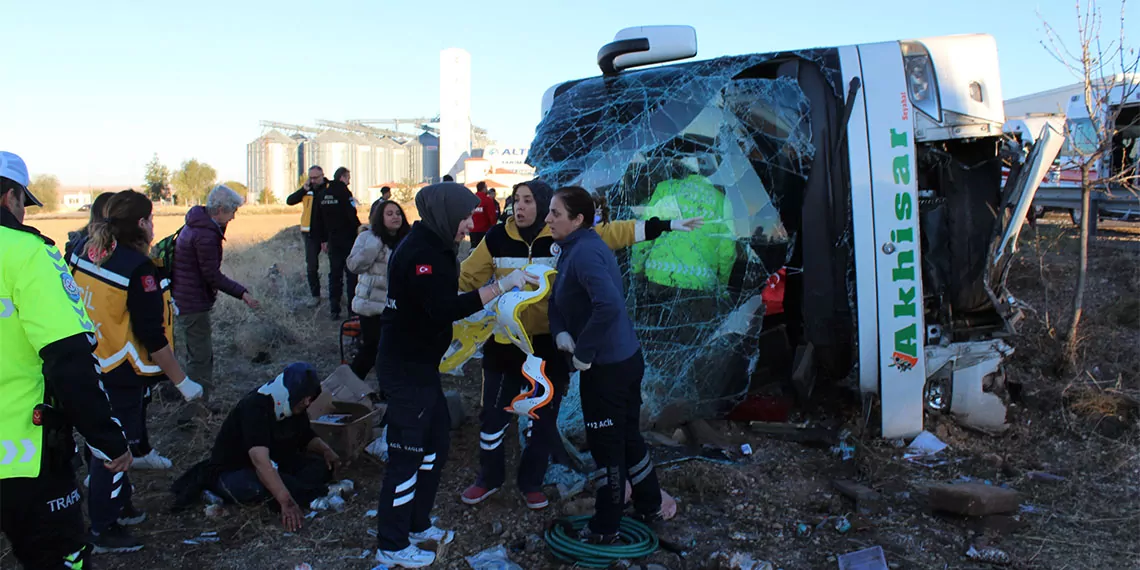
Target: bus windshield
729, 140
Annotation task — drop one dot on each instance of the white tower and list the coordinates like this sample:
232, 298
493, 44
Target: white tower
454, 110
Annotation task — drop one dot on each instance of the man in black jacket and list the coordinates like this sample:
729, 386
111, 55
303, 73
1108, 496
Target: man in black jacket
334, 226
308, 194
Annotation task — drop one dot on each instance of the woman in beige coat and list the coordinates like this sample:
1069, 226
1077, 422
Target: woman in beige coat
369, 259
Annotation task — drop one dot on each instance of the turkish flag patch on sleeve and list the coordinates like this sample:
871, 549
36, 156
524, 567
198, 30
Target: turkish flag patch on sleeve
423, 270
148, 283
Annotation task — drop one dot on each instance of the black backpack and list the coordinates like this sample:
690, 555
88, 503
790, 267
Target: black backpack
162, 254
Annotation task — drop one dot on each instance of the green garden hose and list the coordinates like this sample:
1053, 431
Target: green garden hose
637, 541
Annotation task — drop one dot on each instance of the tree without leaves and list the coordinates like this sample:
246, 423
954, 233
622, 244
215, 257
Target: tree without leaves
157, 181
1103, 70
192, 182
405, 191
45, 187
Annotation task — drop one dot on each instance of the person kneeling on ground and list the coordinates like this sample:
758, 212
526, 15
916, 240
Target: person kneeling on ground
267, 449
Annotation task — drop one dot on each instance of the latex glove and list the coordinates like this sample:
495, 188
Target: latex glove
564, 342
686, 225
190, 389
579, 365
517, 279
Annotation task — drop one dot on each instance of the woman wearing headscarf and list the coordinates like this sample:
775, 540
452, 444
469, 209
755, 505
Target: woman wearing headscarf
590, 322
415, 332
369, 259
132, 311
522, 240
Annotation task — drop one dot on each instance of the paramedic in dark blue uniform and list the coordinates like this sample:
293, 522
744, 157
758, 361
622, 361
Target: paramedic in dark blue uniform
423, 302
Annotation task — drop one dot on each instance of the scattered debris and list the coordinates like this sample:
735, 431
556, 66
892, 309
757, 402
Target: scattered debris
924, 444
379, 447
1044, 477
866, 559
973, 499
867, 500
215, 511
741, 561
311, 515
373, 532
844, 450
336, 503
497, 528
534, 543
988, 554
204, 538
492, 559
320, 504
303, 566
363, 556
370, 514
803, 530
746, 449
800, 433
211, 499
842, 525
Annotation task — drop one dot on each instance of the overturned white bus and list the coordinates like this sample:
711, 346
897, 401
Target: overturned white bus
856, 222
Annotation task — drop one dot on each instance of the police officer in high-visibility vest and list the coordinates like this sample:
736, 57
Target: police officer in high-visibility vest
50, 383
131, 307
313, 188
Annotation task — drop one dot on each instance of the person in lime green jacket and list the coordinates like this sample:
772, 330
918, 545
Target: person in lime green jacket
700, 260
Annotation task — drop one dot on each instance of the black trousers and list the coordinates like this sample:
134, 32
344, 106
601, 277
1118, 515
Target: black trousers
611, 407
305, 475
418, 439
43, 520
502, 382
110, 492
339, 249
312, 263
365, 358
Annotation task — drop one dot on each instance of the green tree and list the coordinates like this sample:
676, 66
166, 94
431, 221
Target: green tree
45, 187
238, 187
192, 182
266, 197
157, 181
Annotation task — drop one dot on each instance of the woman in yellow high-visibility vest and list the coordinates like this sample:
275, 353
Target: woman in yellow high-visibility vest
133, 315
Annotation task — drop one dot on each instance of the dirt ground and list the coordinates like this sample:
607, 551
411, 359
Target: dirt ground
1080, 425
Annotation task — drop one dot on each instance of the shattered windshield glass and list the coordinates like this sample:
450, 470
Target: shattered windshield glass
729, 140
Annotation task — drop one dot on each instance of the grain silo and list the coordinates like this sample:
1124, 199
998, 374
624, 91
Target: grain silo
272, 164
415, 165
430, 144
334, 150
362, 171
388, 169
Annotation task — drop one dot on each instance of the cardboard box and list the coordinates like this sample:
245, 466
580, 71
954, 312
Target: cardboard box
342, 393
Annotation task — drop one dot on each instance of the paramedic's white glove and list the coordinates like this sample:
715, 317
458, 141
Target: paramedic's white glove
564, 342
579, 365
190, 389
517, 279
686, 225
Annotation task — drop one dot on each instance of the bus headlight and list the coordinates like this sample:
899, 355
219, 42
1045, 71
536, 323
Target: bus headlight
921, 84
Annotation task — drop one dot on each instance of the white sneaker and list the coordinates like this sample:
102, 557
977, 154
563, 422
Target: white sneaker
153, 461
410, 557
433, 534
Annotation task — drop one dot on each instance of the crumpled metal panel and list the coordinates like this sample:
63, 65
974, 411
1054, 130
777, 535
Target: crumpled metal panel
727, 139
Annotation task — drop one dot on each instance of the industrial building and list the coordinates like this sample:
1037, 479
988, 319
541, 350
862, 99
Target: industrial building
277, 162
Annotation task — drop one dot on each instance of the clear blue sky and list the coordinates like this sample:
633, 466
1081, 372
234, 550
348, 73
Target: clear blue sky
93, 89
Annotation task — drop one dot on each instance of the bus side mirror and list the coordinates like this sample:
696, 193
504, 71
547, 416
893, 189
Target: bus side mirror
645, 45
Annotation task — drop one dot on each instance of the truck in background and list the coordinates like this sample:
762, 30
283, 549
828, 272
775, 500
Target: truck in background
1061, 190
